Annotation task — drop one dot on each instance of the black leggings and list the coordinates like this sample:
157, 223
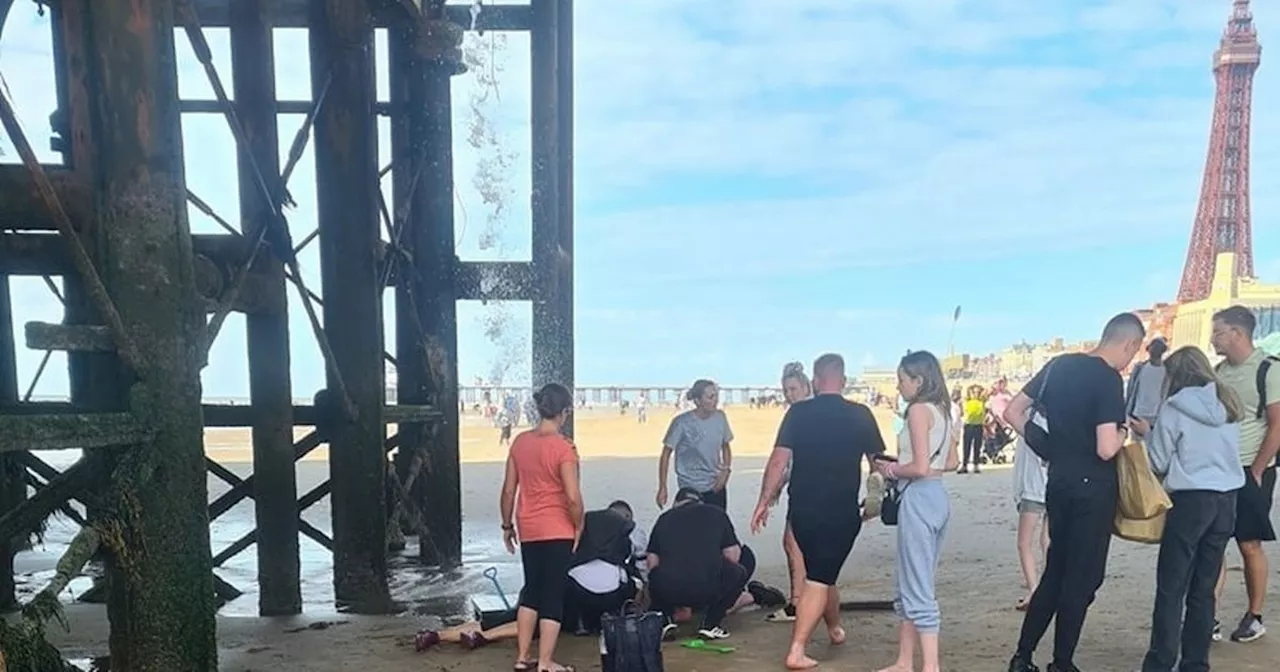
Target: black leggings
545, 565
584, 608
972, 445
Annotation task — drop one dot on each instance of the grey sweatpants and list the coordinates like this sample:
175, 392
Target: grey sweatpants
922, 524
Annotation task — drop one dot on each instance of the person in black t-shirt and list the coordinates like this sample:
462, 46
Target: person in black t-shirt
825, 439
1082, 397
695, 560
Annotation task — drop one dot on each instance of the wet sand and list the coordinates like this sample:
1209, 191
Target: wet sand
978, 582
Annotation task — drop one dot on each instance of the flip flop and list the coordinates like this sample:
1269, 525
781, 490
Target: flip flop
559, 668
525, 666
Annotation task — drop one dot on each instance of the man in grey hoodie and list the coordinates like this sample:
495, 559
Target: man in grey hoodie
1146, 383
1194, 447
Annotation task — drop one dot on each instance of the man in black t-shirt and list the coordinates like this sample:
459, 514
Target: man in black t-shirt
824, 439
1082, 398
695, 560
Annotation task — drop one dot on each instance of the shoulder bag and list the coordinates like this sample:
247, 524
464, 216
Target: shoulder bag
893, 494
1036, 431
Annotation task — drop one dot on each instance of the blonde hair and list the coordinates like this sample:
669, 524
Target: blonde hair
795, 371
1189, 367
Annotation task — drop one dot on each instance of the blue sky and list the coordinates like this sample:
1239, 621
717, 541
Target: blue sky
761, 181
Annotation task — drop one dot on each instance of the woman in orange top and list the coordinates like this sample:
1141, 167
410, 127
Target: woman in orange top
543, 490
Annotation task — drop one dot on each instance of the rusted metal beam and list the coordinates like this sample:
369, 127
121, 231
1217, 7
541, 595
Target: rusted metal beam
205, 106
21, 207
346, 157
294, 14
41, 253
68, 337
270, 387
71, 430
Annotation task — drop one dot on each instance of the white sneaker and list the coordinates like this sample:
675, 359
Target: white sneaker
713, 633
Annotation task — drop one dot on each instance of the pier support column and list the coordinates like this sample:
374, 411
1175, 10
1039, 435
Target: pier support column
13, 487
161, 601
426, 291
551, 56
346, 156
275, 491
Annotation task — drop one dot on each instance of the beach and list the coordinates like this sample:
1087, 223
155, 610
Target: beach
978, 582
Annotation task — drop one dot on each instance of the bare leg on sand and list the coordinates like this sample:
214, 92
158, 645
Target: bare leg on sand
817, 602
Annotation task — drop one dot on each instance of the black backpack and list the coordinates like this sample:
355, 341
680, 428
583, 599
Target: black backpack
1263, 369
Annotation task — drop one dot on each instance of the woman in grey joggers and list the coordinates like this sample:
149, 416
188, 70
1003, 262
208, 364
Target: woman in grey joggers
927, 447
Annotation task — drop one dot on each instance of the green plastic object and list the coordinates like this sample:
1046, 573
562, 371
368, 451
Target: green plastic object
702, 645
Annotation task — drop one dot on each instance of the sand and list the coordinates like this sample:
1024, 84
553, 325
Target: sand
978, 578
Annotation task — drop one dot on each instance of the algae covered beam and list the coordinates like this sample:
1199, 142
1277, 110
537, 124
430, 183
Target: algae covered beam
346, 157
71, 430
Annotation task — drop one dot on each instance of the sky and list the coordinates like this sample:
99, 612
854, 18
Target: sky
760, 181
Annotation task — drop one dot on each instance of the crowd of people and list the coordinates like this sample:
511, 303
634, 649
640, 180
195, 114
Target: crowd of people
1211, 436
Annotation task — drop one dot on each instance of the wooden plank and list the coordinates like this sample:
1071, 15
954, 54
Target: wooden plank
71, 430
69, 337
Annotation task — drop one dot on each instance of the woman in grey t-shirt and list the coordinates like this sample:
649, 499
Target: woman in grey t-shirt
700, 440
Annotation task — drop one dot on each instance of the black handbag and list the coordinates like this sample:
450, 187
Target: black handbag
893, 495
631, 640
1036, 431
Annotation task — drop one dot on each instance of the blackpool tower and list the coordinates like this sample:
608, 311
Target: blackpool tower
1222, 217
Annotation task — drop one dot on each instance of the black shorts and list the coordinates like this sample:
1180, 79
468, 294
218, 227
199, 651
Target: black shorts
824, 542
1253, 507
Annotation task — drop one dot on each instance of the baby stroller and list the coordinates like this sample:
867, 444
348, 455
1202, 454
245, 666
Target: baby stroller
997, 441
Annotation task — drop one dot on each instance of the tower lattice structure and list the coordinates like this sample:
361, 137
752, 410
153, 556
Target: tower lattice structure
1222, 217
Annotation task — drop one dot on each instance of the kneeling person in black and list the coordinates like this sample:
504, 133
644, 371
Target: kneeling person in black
695, 560
602, 575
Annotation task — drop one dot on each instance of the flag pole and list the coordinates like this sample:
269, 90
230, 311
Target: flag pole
951, 340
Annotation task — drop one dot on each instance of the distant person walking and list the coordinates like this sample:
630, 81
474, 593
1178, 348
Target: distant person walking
642, 409
543, 492
824, 439
926, 450
975, 419
1194, 447
1081, 396
795, 389
1146, 384
699, 439
1255, 378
